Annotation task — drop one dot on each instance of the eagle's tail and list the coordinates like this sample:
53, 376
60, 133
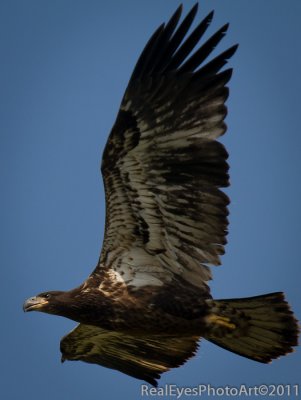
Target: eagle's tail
260, 328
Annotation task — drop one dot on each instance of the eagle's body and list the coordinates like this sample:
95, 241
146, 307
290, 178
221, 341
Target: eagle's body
163, 309
147, 303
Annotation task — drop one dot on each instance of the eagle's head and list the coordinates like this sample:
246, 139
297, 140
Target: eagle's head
48, 302
76, 304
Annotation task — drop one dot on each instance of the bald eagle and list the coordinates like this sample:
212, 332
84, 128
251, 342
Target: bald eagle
147, 303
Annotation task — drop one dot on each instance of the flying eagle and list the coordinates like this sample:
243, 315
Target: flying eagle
146, 305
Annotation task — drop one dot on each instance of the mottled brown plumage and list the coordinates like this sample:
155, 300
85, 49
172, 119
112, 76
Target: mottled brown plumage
145, 306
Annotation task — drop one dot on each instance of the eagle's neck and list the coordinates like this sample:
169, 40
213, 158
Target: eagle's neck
84, 305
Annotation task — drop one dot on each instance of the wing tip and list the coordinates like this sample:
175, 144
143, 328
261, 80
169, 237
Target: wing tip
194, 9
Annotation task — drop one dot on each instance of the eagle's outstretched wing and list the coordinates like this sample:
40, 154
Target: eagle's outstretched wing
144, 357
162, 166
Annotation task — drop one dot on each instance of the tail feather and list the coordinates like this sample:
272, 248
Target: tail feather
261, 328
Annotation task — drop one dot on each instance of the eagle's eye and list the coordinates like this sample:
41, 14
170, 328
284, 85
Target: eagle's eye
46, 295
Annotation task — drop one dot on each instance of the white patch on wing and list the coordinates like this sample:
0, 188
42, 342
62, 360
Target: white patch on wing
114, 276
138, 268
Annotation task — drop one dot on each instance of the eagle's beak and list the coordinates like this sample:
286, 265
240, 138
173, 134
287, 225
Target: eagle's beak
34, 303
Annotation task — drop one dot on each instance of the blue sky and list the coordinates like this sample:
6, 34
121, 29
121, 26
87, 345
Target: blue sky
64, 67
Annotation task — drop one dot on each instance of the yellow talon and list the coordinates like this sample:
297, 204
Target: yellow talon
222, 321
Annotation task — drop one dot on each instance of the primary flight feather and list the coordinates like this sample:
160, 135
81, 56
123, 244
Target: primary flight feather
145, 306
